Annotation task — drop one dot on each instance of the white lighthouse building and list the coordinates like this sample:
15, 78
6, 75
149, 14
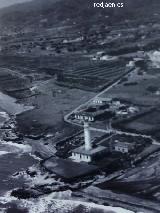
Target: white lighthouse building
86, 152
87, 137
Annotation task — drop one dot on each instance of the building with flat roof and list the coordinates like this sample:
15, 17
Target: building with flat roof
101, 101
122, 147
118, 143
67, 169
81, 154
91, 116
85, 116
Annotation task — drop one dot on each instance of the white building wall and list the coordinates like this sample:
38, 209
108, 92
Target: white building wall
87, 137
81, 157
121, 149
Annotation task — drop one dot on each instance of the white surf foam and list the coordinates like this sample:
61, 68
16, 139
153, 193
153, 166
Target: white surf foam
59, 202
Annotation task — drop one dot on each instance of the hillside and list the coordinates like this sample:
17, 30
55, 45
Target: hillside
49, 13
64, 38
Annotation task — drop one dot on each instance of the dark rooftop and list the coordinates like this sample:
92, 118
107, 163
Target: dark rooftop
68, 169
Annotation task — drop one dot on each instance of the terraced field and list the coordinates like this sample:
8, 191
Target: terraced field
13, 83
96, 76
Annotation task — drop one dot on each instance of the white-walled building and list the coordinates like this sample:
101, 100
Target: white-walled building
86, 153
101, 101
122, 147
81, 154
84, 117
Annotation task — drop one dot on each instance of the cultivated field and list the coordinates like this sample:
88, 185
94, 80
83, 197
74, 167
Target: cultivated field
95, 76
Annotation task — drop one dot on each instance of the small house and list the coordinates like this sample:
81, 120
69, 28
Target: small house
101, 101
122, 147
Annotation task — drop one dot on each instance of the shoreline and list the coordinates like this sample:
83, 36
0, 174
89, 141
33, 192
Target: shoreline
10, 105
17, 151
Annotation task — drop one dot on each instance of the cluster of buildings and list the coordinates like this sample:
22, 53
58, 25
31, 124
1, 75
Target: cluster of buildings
90, 151
116, 106
94, 155
106, 108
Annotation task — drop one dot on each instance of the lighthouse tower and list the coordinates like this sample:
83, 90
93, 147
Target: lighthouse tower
87, 137
87, 152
